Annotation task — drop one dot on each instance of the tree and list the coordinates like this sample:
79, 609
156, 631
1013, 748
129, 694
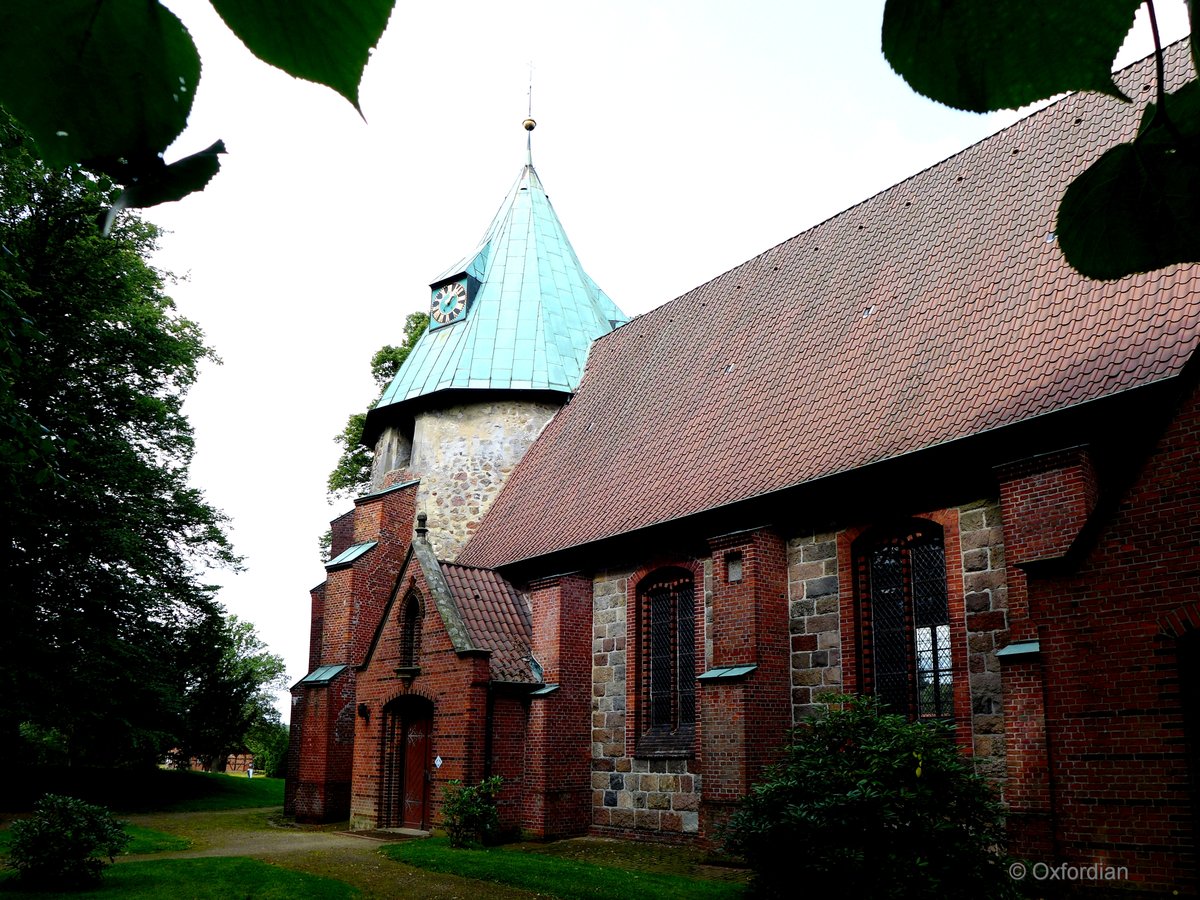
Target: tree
110, 84
352, 474
1135, 209
101, 538
870, 804
227, 694
268, 741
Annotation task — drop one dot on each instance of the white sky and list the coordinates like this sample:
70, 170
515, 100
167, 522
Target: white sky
676, 138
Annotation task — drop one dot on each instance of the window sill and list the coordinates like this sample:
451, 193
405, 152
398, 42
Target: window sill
679, 744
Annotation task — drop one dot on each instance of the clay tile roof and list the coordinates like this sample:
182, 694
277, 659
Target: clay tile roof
496, 616
937, 309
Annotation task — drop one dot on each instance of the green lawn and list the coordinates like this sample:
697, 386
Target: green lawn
200, 879
563, 878
145, 840
143, 790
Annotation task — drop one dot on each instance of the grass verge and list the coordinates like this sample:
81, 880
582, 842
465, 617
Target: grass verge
145, 840
143, 790
563, 878
218, 878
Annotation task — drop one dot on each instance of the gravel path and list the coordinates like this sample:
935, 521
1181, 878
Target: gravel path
345, 856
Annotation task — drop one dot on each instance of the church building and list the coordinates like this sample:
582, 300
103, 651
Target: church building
909, 453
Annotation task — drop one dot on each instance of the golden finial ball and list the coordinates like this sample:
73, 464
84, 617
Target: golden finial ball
529, 124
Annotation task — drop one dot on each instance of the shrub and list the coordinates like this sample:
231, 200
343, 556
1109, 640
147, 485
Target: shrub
868, 804
57, 847
469, 812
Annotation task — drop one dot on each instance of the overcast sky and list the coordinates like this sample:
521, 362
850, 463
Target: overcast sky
676, 140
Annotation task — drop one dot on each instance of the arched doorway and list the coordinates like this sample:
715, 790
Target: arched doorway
407, 736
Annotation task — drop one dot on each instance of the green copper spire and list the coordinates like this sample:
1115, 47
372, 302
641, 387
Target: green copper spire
523, 319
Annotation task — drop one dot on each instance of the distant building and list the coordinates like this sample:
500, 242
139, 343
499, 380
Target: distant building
908, 452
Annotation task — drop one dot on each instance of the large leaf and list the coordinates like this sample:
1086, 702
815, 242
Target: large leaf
1137, 208
326, 41
97, 81
162, 183
984, 55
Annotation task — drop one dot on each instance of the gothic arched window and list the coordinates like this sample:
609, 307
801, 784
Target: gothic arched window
667, 660
904, 619
410, 633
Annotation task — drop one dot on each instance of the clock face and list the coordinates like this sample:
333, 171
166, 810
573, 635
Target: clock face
449, 302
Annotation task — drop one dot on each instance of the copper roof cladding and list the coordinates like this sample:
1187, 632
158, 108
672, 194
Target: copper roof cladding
938, 309
496, 617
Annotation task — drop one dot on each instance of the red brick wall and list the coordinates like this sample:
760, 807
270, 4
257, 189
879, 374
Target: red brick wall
744, 724
346, 610
558, 748
1115, 757
341, 533
1046, 500
1027, 788
454, 684
323, 725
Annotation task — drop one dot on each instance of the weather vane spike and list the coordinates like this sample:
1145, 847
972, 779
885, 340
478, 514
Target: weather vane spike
529, 124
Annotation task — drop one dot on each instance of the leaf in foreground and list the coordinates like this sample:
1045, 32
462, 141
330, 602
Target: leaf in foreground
326, 41
97, 82
1137, 208
980, 55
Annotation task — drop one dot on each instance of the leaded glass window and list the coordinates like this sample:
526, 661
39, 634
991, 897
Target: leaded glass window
667, 624
410, 633
905, 616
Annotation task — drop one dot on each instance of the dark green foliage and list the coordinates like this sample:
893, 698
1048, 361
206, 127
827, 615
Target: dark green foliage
326, 41
1134, 209
352, 474
866, 804
268, 741
101, 536
986, 56
469, 812
58, 846
229, 677
1143, 197
110, 85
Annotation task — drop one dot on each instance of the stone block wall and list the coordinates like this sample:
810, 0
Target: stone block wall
462, 454
813, 610
985, 599
632, 794
823, 641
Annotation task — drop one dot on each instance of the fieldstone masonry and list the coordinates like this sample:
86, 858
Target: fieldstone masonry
819, 639
813, 602
986, 601
629, 793
462, 454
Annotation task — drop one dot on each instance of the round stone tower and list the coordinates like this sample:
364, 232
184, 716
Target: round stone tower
509, 332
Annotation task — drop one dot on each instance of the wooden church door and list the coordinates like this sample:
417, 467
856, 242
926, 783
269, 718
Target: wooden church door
407, 730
